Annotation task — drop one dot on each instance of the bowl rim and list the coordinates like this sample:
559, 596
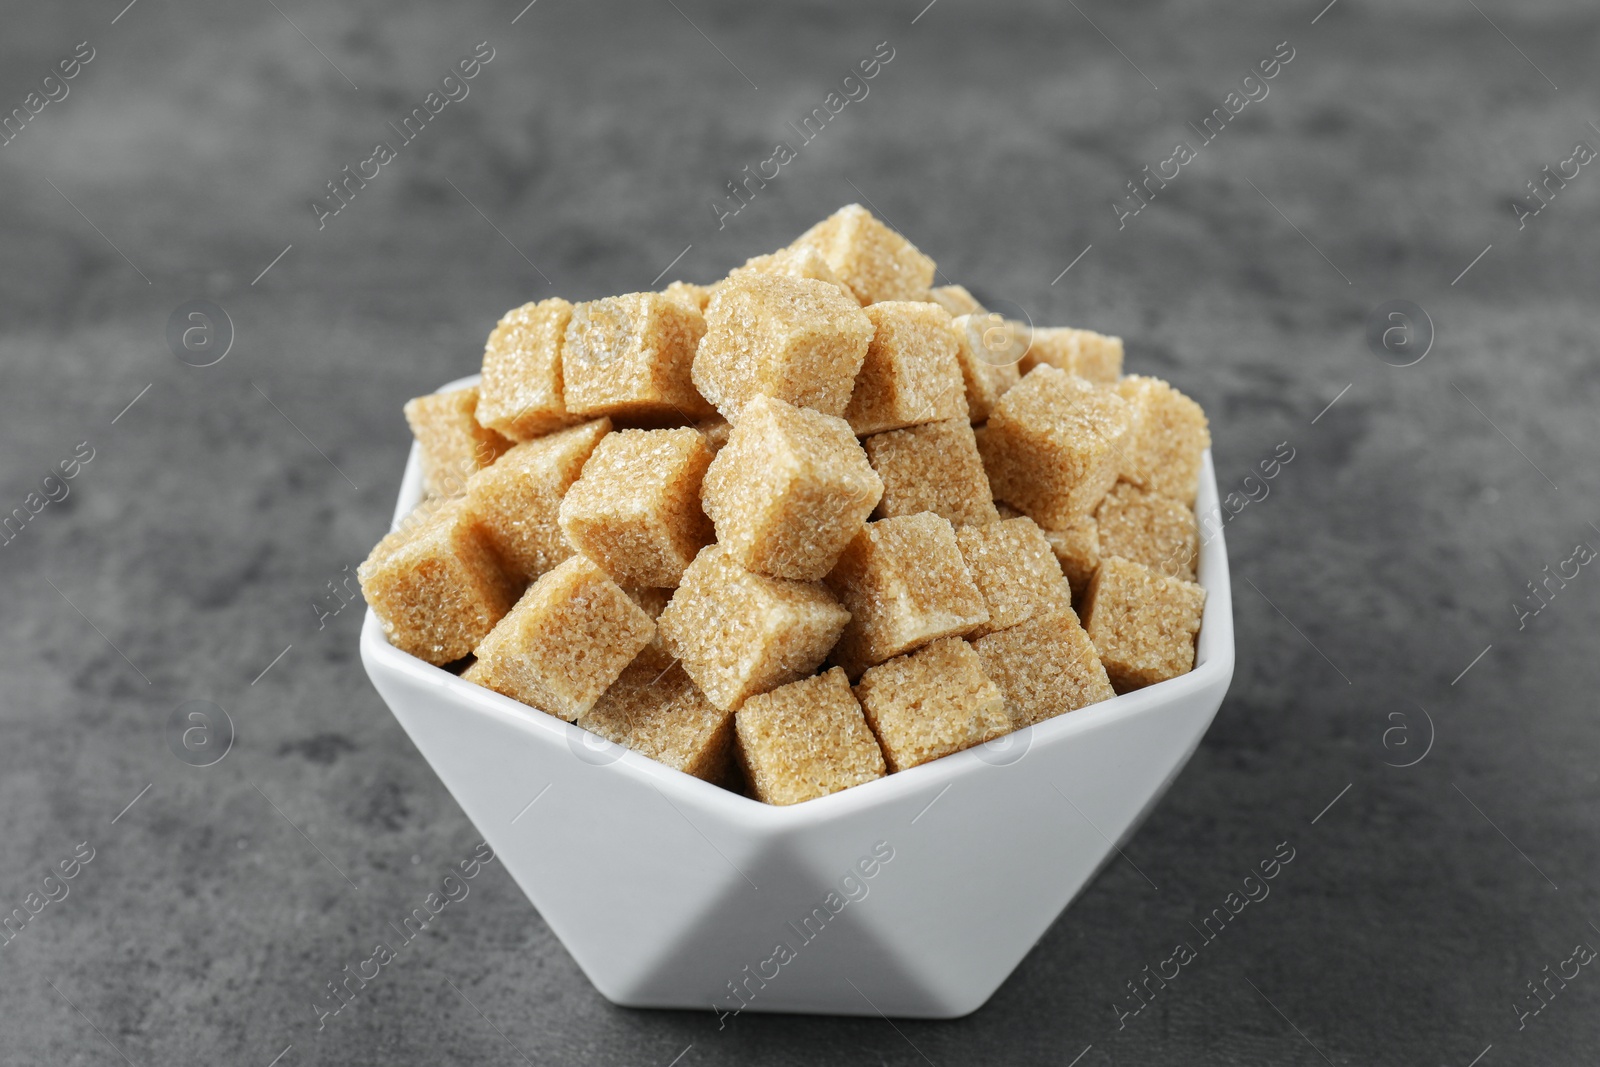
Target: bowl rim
1214, 662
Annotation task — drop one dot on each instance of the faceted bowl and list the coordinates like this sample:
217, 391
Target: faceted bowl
914, 895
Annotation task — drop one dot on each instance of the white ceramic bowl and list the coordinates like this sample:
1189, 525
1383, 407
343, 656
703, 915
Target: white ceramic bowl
914, 895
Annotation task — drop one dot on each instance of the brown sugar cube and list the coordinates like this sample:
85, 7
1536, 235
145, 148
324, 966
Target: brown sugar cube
1077, 548
1082, 352
688, 294
793, 263
1166, 449
1154, 530
658, 712
630, 356
933, 467
652, 602
1098, 357
518, 499
1054, 445
789, 490
520, 393
911, 373
435, 583
905, 584
452, 442
874, 261
739, 633
797, 339
635, 510
567, 639
1044, 667
930, 703
805, 740
1142, 624
956, 300
1015, 570
988, 349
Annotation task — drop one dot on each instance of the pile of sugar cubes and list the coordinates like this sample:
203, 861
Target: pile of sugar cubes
813, 524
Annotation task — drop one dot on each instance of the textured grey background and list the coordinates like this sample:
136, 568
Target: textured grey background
1395, 544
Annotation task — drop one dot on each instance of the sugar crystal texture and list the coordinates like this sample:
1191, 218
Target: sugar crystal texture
805, 740
520, 394
955, 299
932, 467
688, 294
1142, 623
793, 263
911, 373
518, 499
1054, 446
796, 339
652, 602
739, 633
435, 584
452, 442
789, 490
659, 713
1015, 570
565, 641
1082, 352
989, 349
930, 703
1077, 548
635, 510
1044, 667
874, 261
1154, 530
905, 584
630, 357
1167, 447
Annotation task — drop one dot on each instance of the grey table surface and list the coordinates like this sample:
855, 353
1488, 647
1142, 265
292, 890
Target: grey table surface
1377, 585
